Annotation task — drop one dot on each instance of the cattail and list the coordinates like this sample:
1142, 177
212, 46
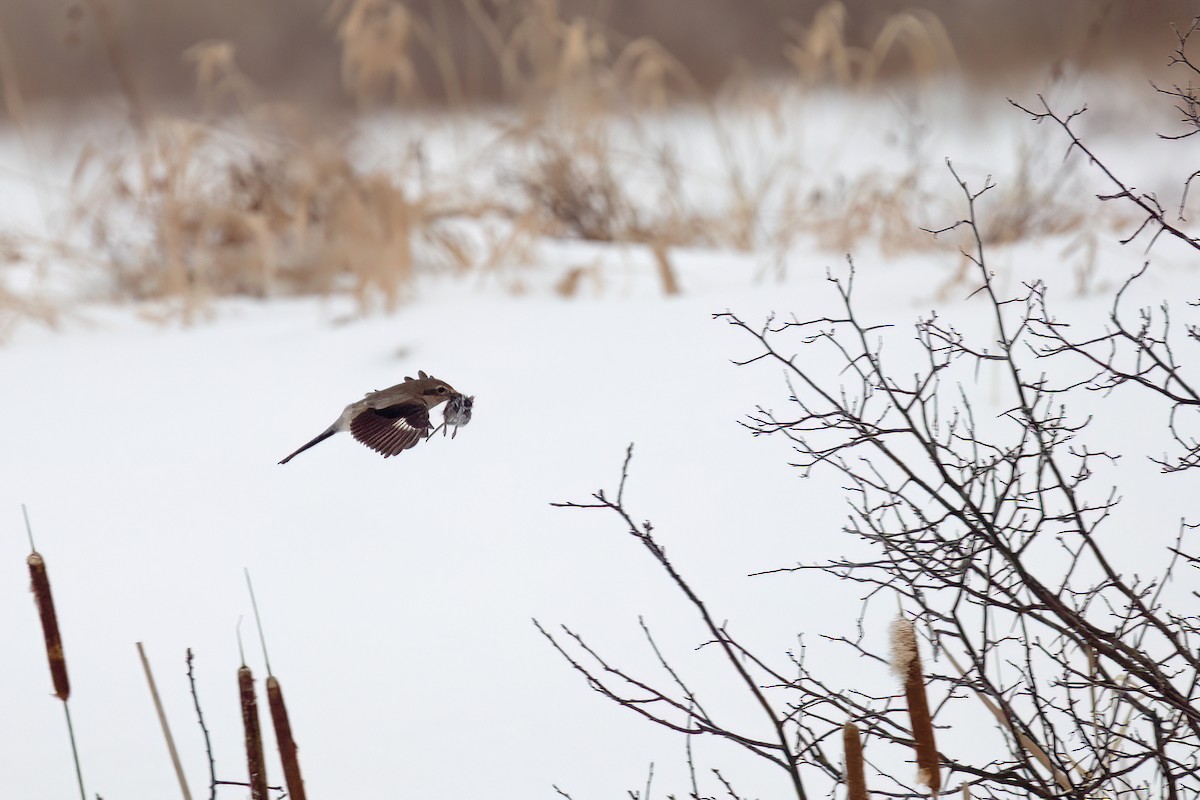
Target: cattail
283, 738
279, 715
856, 779
906, 660
45, 604
40, 586
254, 745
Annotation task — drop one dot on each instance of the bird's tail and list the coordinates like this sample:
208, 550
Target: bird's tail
330, 431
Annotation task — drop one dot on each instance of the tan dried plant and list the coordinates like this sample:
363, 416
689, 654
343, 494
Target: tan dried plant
924, 39
382, 44
820, 53
651, 77
573, 184
220, 84
376, 37
888, 210
192, 213
547, 57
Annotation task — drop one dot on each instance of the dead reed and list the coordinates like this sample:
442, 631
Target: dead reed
821, 53
906, 661
162, 721
261, 214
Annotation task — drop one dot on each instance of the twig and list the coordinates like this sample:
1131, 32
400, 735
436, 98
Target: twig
1147, 203
212, 765
643, 533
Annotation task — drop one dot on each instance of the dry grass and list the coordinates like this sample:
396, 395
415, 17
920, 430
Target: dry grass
194, 212
58, 53
821, 52
263, 200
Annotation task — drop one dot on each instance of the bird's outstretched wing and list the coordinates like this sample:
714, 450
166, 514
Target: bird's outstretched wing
393, 429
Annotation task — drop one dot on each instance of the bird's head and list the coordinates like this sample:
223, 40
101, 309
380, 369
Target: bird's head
432, 390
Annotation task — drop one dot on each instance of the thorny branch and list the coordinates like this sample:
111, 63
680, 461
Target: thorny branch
212, 764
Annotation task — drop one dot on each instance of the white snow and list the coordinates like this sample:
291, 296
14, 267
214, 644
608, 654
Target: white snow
397, 595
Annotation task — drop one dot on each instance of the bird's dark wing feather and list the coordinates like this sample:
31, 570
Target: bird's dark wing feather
406, 409
392, 429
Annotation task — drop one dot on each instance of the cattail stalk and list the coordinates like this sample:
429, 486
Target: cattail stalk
856, 778
283, 738
254, 744
906, 660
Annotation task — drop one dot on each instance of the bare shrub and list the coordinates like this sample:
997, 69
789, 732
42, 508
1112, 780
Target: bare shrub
573, 186
982, 518
195, 213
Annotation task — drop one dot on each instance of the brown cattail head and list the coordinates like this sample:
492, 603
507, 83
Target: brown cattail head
856, 779
283, 738
45, 603
254, 745
906, 660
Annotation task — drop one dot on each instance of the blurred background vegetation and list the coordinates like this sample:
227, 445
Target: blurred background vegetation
291, 50
213, 148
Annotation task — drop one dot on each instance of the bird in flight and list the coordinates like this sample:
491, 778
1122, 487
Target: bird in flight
393, 420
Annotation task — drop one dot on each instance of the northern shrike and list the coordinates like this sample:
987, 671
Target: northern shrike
393, 420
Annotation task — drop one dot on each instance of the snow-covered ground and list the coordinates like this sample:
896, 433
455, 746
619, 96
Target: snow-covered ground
397, 595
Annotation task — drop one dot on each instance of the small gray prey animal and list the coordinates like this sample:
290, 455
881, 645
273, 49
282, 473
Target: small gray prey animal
393, 420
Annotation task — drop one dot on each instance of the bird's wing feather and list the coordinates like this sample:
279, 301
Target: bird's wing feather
392, 429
